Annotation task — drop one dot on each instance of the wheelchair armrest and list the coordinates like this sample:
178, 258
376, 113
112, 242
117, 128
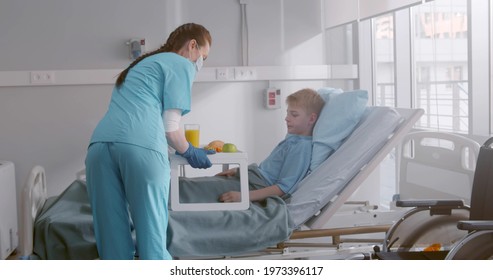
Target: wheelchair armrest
475, 225
430, 203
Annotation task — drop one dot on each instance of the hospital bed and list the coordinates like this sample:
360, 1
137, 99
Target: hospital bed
62, 226
448, 228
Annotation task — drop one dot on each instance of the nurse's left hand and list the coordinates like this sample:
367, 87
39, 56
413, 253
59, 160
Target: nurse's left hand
197, 158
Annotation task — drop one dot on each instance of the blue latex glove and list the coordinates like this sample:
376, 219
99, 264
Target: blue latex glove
197, 158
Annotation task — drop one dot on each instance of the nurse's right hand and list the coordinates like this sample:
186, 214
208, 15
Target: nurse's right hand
197, 158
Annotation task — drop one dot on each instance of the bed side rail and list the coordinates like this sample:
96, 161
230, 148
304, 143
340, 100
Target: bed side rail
34, 196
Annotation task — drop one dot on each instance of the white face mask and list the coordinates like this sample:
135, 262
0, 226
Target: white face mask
199, 63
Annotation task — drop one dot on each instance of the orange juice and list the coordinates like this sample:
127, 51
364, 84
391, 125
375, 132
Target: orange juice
192, 136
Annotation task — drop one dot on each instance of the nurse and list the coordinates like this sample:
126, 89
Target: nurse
127, 167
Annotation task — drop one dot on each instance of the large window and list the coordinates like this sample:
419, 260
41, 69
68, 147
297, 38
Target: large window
439, 78
440, 48
436, 56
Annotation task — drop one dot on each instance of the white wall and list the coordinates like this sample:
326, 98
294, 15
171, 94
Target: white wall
51, 125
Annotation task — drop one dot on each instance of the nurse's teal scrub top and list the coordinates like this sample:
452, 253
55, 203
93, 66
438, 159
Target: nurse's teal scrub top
164, 81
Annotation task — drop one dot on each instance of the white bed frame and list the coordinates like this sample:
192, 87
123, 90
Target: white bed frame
34, 197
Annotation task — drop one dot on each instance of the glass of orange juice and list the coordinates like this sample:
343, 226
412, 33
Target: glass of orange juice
192, 134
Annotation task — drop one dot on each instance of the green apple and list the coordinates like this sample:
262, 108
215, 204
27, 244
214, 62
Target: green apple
229, 148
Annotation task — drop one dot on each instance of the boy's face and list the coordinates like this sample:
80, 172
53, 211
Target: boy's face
299, 121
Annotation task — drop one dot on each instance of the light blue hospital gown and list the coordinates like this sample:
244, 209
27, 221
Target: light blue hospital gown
288, 163
127, 165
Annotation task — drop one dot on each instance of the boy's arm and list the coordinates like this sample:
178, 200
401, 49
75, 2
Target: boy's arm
256, 195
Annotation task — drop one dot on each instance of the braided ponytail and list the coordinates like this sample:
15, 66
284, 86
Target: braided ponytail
175, 42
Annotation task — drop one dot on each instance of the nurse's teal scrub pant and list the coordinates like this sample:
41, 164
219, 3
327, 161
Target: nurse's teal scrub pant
122, 178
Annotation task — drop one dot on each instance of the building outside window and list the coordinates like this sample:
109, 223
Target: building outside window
440, 51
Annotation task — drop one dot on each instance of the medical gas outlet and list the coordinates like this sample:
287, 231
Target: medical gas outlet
272, 98
136, 47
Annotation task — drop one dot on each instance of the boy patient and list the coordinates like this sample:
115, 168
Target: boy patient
289, 162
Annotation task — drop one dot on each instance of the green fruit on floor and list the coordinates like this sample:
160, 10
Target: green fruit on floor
229, 148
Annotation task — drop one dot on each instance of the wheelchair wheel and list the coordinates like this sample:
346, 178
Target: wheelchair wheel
477, 245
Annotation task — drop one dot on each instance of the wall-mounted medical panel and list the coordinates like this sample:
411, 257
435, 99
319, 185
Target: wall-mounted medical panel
63, 77
207, 74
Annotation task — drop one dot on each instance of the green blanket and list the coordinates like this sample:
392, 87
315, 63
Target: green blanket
225, 233
64, 230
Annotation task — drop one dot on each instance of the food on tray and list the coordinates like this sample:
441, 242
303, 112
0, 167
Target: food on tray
216, 145
229, 148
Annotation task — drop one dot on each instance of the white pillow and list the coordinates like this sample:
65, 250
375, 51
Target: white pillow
340, 115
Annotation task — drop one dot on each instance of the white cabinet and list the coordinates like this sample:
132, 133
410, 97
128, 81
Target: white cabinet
8, 210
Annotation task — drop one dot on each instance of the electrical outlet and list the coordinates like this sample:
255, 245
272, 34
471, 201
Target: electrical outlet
222, 74
245, 73
42, 77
